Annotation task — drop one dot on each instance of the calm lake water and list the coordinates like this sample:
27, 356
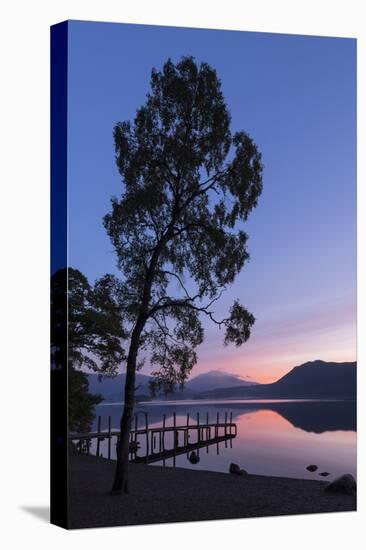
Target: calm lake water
279, 437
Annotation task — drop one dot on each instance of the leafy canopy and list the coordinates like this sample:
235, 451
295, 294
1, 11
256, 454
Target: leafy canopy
87, 332
189, 184
94, 323
81, 402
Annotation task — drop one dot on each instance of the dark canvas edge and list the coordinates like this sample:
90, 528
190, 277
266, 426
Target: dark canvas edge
59, 424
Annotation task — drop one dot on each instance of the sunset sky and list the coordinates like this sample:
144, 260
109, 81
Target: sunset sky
296, 97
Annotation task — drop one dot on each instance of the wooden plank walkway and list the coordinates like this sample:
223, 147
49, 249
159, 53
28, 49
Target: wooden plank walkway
154, 438
142, 431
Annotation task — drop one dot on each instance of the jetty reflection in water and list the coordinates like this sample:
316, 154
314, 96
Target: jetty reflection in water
279, 437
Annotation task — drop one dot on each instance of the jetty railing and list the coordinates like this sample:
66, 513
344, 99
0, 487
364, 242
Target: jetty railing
159, 443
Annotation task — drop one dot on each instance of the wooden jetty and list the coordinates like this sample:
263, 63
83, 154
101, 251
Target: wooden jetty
164, 441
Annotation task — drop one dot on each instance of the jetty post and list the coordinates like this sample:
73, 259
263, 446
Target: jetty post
99, 430
187, 435
174, 436
198, 433
225, 429
230, 430
109, 436
217, 431
147, 436
163, 438
208, 432
198, 428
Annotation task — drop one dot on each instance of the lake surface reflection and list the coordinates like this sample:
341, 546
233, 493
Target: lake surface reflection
279, 437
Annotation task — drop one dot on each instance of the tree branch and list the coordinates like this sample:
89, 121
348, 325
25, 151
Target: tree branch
188, 303
180, 281
212, 180
165, 331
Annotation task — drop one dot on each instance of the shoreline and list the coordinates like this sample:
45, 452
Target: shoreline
165, 495
243, 400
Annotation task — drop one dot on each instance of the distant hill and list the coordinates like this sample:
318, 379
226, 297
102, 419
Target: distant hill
215, 379
312, 380
112, 388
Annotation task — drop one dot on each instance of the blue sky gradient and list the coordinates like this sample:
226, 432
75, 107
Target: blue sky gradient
296, 97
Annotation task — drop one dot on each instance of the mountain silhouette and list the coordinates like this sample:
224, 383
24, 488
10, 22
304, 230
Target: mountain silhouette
312, 380
112, 388
216, 379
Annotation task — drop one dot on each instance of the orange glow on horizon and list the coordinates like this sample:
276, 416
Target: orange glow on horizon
266, 356
267, 368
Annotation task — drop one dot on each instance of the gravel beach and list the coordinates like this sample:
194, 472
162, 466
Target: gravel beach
160, 495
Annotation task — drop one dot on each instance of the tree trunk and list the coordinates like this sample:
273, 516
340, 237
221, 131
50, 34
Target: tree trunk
120, 484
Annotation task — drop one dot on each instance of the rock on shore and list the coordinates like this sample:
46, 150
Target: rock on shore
345, 485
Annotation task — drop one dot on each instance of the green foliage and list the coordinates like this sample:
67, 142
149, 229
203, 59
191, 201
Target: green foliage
177, 228
87, 331
238, 325
81, 402
94, 323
